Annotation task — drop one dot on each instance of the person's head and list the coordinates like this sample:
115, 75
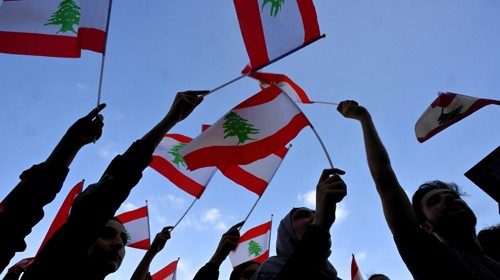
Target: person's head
301, 218
378, 277
439, 208
489, 238
244, 271
106, 254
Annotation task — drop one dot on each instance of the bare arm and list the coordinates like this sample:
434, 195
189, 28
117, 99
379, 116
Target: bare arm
142, 270
397, 207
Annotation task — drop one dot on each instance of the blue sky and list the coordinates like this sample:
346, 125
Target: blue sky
392, 57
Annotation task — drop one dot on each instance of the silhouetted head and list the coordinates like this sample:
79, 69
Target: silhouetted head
489, 238
378, 277
244, 271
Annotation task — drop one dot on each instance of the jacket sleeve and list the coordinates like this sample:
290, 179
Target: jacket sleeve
207, 272
23, 207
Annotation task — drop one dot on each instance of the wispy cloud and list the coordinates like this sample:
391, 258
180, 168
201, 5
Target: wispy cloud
127, 207
308, 199
107, 152
186, 269
81, 87
211, 215
360, 256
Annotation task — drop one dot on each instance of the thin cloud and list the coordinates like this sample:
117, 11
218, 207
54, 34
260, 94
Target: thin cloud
81, 87
211, 215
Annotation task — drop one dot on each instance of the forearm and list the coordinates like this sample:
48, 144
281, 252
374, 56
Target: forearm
156, 134
143, 268
65, 151
208, 272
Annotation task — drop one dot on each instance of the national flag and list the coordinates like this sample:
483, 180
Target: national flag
252, 130
355, 273
168, 162
63, 213
166, 273
24, 263
447, 109
296, 93
58, 28
253, 245
136, 223
271, 28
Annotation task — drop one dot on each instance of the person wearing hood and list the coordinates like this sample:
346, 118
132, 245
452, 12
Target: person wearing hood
303, 244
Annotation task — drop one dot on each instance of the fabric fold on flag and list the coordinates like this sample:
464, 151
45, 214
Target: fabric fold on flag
447, 109
252, 130
56, 28
296, 93
136, 223
355, 273
253, 245
166, 273
168, 162
272, 28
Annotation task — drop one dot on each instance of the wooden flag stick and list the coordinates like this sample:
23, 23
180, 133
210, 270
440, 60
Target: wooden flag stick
267, 64
103, 58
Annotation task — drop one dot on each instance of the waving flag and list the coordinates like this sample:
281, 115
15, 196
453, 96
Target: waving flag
447, 109
59, 28
253, 245
257, 175
63, 213
296, 93
252, 130
271, 28
166, 273
168, 162
355, 274
136, 223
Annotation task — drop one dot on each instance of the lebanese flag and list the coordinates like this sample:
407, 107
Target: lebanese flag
355, 273
270, 29
63, 213
296, 93
168, 162
166, 273
252, 130
447, 109
136, 223
253, 245
57, 28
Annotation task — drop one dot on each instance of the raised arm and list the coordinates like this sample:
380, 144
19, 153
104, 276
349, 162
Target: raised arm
142, 270
397, 207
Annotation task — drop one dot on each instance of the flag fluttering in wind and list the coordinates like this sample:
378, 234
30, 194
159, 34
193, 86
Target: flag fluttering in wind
136, 223
296, 93
166, 273
252, 130
355, 273
58, 28
271, 28
63, 213
168, 162
257, 175
253, 245
447, 109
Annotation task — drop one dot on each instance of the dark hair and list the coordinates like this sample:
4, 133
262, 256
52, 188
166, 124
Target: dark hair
373, 276
236, 274
416, 200
489, 238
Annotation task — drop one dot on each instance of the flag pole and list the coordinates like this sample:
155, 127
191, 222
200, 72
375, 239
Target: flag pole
267, 64
103, 58
149, 228
258, 199
270, 233
323, 102
322, 145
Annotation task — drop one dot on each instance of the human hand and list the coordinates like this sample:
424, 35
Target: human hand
351, 109
329, 191
228, 242
89, 128
161, 238
185, 102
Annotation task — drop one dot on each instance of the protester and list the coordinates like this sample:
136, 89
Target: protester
142, 270
23, 207
244, 271
91, 227
435, 234
227, 243
378, 277
303, 244
489, 238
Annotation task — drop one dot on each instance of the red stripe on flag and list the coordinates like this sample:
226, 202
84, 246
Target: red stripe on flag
262, 258
133, 215
166, 271
248, 13
143, 244
309, 20
92, 39
264, 96
39, 44
247, 153
281, 152
256, 231
177, 178
245, 179
179, 137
